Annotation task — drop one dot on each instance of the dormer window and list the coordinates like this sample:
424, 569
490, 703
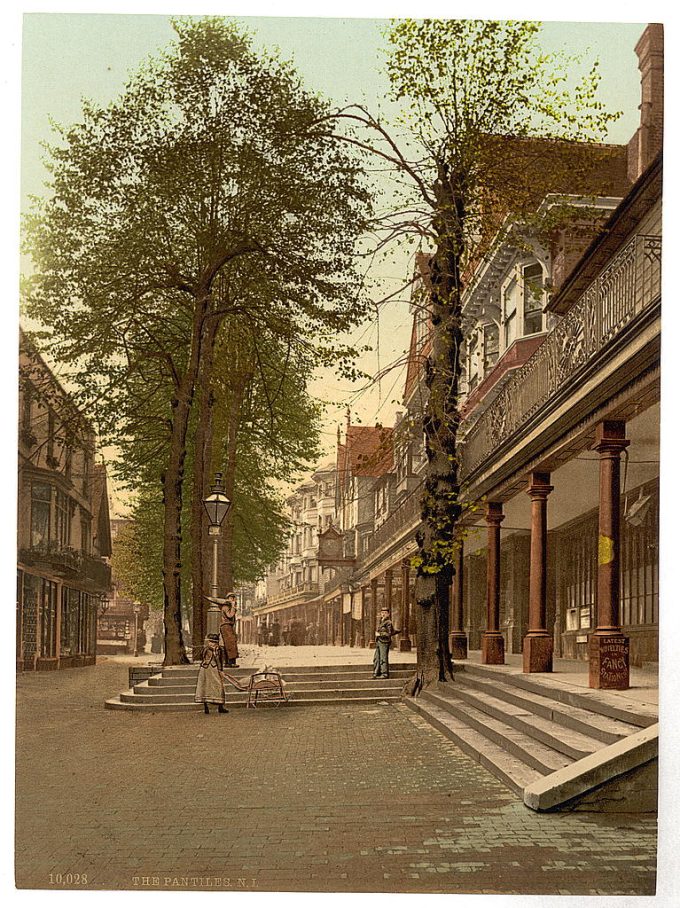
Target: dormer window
533, 298
522, 303
510, 312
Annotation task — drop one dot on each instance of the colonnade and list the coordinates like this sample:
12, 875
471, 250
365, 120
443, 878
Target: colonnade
608, 647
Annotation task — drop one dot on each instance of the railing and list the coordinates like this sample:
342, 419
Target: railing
98, 571
406, 514
66, 560
58, 556
290, 593
626, 287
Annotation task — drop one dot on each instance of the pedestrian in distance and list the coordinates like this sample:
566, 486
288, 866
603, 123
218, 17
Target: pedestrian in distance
383, 640
210, 684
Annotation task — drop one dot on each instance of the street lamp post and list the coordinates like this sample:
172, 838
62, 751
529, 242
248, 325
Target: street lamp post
136, 608
217, 507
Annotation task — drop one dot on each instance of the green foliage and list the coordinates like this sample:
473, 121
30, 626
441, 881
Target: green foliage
490, 126
207, 190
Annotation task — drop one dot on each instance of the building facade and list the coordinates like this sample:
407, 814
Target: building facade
64, 540
559, 437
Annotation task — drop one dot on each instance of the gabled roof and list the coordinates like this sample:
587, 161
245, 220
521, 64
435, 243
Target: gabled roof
100, 509
367, 451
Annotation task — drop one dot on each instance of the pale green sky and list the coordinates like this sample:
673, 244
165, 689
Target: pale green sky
70, 56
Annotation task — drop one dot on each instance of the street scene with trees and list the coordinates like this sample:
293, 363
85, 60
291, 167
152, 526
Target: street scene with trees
223, 468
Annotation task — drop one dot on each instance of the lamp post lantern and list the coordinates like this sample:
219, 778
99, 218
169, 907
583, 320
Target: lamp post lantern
217, 507
136, 608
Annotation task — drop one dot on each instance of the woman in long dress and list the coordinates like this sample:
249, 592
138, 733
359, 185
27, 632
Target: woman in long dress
209, 684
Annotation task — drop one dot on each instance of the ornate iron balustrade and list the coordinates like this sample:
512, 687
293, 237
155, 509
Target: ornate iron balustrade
625, 288
407, 513
290, 593
61, 558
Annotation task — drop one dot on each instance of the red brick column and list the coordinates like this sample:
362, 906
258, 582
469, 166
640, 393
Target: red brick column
493, 645
374, 611
608, 648
537, 649
364, 615
405, 639
458, 642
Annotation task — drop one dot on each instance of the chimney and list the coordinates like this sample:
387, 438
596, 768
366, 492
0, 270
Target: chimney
647, 141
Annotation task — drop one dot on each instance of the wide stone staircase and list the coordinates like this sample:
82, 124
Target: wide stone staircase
172, 689
548, 741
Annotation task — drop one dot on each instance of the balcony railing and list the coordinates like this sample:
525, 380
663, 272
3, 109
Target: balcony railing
406, 514
292, 592
68, 562
61, 558
625, 288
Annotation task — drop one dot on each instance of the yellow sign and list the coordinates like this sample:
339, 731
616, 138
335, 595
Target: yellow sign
605, 550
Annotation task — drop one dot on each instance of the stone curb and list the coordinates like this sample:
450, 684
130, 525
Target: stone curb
596, 769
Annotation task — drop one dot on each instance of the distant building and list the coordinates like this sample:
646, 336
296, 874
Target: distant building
64, 541
123, 624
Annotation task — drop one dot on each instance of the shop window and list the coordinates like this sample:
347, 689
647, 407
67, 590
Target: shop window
20, 595
63, 519
41, 508
32, 589
48, 620
640, 561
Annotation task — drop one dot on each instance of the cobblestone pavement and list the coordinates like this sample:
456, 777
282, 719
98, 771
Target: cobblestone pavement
326, 798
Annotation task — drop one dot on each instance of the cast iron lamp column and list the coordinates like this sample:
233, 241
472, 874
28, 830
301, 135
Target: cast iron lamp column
136, 608
217, 507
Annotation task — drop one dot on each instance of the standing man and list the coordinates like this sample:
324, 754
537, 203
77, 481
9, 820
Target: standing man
383, 638
227, 626
228, 629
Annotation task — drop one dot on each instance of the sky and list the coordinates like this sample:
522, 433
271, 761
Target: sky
67, 57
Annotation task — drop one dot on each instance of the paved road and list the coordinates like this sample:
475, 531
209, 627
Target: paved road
327, 798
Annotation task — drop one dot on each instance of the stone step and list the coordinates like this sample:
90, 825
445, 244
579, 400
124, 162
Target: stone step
316, 694
153, 706
321, 683
522, 746
175, 680
286, 670
593, 725
510, 770
573, 744
593, 701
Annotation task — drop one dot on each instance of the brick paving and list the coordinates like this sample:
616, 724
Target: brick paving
326, 798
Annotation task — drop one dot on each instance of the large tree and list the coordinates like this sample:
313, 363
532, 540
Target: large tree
489, 125
213, 156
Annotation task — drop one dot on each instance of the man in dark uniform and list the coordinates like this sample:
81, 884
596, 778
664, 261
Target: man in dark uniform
383, 638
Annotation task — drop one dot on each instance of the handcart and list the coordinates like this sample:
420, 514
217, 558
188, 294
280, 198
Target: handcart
266, 687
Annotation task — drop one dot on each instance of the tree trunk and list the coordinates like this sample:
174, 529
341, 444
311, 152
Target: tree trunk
440, 503
173, 481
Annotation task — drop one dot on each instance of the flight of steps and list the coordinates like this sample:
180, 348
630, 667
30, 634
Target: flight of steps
172, 689
524, 730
